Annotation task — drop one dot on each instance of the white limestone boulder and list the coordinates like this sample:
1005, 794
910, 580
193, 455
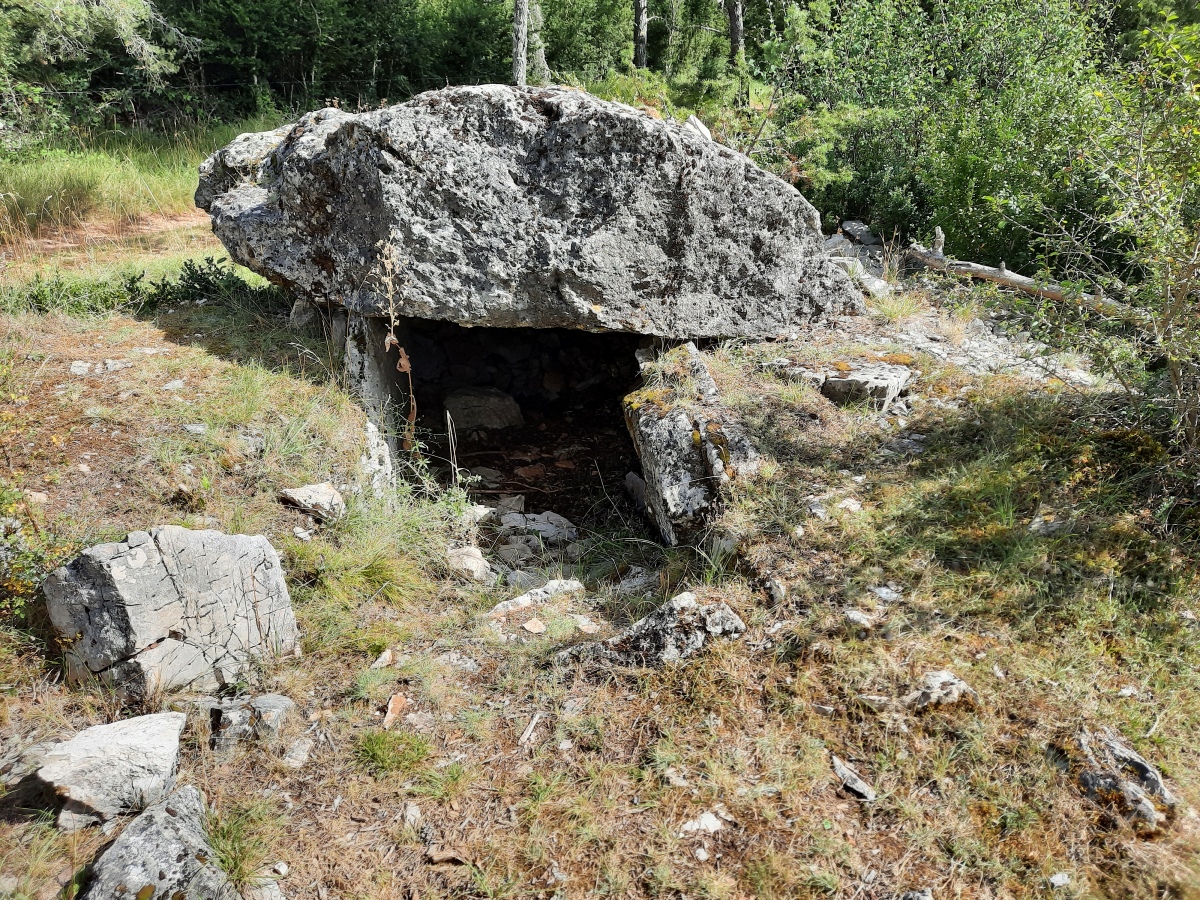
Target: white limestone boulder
171, 609
163, 853
109, 770
525, 207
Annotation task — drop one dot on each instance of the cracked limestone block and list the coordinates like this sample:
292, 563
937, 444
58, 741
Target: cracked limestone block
534, 207
876, 383
107, 770
673, 632
171, 609
163, 853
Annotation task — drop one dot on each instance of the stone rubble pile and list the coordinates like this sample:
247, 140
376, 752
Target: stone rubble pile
675, 631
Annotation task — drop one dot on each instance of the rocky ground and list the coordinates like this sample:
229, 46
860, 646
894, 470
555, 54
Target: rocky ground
940, 645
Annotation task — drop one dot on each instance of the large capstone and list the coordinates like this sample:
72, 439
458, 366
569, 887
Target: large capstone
524, 207
171, 609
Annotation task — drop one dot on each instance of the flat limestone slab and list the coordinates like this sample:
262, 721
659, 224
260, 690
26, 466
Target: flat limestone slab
524, 207
107, 770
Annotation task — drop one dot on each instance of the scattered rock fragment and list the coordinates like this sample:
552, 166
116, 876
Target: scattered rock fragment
674, 631
536, 597
410, 815
238, 720
922, 894
706, 823
851, 780
876, 383
397, 703
108, 770
940, 688
384, 659
164, 852
321, 501
522, 580
637, 582
859, 232
857, 620
459, 661
776, 590
552, 528
469, 561
170, 609
1113, 774
298, 753
264, 889
585, 625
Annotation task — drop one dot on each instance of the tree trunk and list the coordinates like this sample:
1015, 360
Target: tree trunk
737, 32
540, 72
520, 40
640, 21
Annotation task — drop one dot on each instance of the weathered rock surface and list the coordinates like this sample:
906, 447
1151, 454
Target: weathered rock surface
690, 447
940, 688
1112, 773
483, 409
533, 207
851, 780
171, 609
107, 770
536, 597
163, 853
259, 718
321, 501
676, 630
469, 562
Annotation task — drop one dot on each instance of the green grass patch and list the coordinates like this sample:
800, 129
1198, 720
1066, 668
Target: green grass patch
114, 177
386, 752
241, 838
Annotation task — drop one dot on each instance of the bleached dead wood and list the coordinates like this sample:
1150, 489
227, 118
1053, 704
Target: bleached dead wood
936, 259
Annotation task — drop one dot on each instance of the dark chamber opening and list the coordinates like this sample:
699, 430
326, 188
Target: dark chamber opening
558, 392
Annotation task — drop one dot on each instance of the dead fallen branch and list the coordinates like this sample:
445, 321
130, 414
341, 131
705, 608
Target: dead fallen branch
936, 259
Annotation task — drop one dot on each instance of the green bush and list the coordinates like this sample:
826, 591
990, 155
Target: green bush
920, 114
